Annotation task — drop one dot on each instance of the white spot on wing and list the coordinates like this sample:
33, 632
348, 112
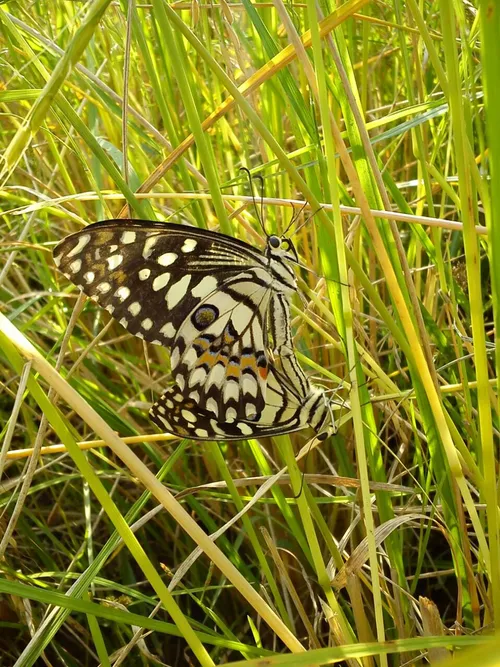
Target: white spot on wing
188, 416
164, 422
212, 406
134, 308
249, 385
217, 375
201, 433
89, 277
82, 242
216, 428
110, 308
144, 274
246, 339
103, 288
128, 237
114, 261
174, 358
204, 287
167, 258
75, 265
197, 377
149, 244
189, 245
250, 410
241, 317
178, 291
231, 390
122, 293
147, 323
245, 428
113, 248
124, 322
168, 330
230, 415
190, 357
161, 281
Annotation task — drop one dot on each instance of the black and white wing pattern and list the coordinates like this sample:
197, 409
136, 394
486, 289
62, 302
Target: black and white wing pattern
292, 402
287, 409
203, 294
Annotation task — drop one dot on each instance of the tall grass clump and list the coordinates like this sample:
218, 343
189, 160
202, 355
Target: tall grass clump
376, 125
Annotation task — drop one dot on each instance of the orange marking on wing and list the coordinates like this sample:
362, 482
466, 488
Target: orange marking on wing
201, 342
249, 362
119, 277
208, 358
263, 372
233, 371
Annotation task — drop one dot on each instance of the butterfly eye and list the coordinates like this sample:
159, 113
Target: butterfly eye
274, 241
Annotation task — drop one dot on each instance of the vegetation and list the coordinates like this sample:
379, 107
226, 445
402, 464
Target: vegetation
380, 545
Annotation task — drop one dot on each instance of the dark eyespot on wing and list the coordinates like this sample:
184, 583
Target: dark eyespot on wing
204, 316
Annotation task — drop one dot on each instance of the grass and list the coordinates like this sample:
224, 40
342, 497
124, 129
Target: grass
390, 553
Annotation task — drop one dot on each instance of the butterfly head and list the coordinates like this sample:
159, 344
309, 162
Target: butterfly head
281, 248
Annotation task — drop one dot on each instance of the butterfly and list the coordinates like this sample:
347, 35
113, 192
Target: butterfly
209, 297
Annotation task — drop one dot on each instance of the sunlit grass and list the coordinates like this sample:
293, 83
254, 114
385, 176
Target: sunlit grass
394, 535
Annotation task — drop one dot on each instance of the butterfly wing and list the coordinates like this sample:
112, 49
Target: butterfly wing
202, 293
286, 410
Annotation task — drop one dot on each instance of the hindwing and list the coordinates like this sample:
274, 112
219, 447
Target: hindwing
288, 408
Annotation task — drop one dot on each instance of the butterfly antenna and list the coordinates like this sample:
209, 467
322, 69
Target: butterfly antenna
262, 188
307, 219
318, 275
295, 217
259, 213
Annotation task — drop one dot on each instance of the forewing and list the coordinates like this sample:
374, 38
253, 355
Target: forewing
151, 275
